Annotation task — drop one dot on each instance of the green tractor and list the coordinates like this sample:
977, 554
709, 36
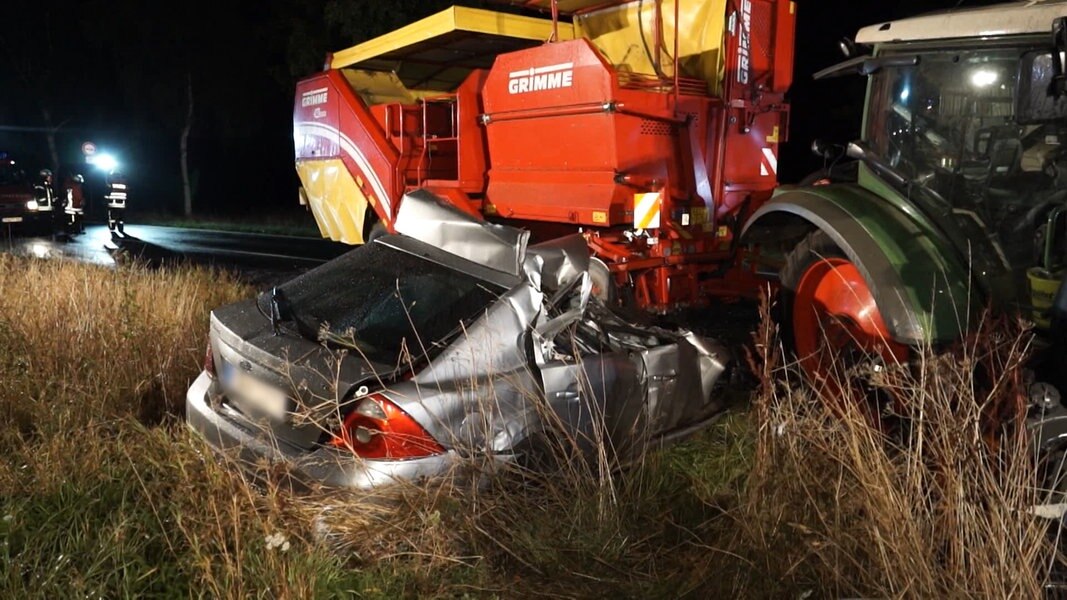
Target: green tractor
954, 199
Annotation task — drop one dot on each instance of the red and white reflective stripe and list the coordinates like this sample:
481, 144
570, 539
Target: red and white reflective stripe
646, 210
348, 147
769, 164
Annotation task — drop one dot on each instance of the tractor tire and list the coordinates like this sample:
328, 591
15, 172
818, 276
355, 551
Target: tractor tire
832, 325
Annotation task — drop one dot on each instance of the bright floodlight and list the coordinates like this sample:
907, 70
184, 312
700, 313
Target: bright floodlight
984, 78
105, 162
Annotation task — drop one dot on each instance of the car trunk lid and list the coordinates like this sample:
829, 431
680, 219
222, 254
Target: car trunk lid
289, 387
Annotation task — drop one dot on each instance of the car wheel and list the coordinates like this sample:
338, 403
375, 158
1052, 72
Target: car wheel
833, 326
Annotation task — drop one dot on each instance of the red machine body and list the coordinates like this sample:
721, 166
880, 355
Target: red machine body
658, 171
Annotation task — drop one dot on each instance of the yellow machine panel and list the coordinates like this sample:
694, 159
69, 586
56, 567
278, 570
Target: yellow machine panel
436, 54
618, 32
456, 25
383, 87
336, 201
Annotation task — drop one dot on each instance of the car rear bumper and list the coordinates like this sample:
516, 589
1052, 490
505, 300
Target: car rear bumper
328, 466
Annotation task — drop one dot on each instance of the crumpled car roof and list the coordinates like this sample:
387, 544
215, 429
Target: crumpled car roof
553, 265
430, 219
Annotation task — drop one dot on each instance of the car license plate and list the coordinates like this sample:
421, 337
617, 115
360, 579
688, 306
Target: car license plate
254, 395
11, 220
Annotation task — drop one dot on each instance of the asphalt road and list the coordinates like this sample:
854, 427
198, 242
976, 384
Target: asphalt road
265, 259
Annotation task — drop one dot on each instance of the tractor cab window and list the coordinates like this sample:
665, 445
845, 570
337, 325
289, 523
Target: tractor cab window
949, 126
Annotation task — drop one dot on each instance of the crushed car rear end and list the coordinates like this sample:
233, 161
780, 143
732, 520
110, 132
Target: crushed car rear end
450, 345
311, 373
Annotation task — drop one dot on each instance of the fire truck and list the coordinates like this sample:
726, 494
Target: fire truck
650, 126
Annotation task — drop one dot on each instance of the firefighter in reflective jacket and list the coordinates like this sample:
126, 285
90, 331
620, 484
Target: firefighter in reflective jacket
117, 188
72, 196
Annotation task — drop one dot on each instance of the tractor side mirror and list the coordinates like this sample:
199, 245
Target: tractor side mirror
822, 148
847, 46
859, 151
856, 150
825, 150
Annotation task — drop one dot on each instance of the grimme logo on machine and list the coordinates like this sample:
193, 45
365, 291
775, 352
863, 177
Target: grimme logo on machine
744, 43
314, 97
535, 79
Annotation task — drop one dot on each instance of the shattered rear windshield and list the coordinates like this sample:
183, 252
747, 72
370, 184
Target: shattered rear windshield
381, 301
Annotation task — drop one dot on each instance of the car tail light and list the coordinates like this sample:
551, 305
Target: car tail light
209, 360
377, 428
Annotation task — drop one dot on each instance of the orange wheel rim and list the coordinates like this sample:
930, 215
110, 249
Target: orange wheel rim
835, 315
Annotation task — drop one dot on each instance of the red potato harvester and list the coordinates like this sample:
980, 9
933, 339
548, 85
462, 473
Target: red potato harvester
650, 126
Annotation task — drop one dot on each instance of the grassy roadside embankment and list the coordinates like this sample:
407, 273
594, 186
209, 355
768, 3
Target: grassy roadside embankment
104, 494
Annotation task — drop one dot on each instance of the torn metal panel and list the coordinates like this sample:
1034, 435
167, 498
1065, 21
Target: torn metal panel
599, 402
493, 344
573, 306
714, 358
564, 260
430, 219
681, 378
477, 393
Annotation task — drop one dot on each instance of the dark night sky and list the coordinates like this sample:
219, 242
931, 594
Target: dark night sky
832, 109
117, 72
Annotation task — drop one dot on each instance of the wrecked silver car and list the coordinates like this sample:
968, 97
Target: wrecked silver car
452, 340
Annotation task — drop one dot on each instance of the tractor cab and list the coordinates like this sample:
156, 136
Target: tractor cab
960, 200
974, 134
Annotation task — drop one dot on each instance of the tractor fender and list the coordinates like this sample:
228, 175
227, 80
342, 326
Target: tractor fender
920, 287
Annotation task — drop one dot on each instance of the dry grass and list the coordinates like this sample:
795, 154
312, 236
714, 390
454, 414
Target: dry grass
937, 506
103, 492
119, 342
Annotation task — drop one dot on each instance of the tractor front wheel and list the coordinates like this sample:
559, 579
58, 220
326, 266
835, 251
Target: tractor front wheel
833, 324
